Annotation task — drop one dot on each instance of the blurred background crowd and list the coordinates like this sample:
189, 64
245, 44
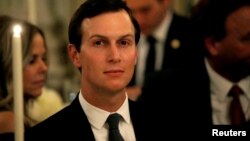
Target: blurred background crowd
53, 17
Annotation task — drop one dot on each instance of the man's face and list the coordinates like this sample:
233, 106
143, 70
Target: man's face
233, 51
149, 13
108, 51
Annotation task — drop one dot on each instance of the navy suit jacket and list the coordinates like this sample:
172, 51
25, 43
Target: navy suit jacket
71, 123
182, 97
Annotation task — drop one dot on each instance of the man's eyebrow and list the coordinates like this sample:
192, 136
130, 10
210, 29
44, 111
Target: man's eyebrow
101, 36
127, 35
97, 36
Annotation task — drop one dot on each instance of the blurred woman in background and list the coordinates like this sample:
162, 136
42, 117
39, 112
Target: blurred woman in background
34, 54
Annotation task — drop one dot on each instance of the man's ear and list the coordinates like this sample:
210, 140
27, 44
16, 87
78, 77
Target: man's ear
212, 46
74, 55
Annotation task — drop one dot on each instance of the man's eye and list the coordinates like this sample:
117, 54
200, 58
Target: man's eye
98, 43
124, 42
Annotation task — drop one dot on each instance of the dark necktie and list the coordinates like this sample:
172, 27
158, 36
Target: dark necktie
236, 113
150, 62
113, 122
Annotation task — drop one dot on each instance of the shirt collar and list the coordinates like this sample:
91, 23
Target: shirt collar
244, 84
97, 117
218, 85
221, 86
160, 33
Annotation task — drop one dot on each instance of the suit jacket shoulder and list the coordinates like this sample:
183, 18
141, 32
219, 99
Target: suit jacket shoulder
69, 123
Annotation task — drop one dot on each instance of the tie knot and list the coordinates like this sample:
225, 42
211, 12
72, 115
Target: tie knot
113, 120
151, 40
235, 91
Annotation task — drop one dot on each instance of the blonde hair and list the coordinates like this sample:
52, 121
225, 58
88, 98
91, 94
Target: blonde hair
6, 83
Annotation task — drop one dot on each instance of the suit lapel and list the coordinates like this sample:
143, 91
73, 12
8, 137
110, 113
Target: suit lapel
136, 115
80, 122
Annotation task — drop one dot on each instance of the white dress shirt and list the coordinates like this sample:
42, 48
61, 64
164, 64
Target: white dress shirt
97, 118
219, 88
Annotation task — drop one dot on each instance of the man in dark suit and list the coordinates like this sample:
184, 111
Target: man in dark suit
172, 35
196, 99
103, 36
